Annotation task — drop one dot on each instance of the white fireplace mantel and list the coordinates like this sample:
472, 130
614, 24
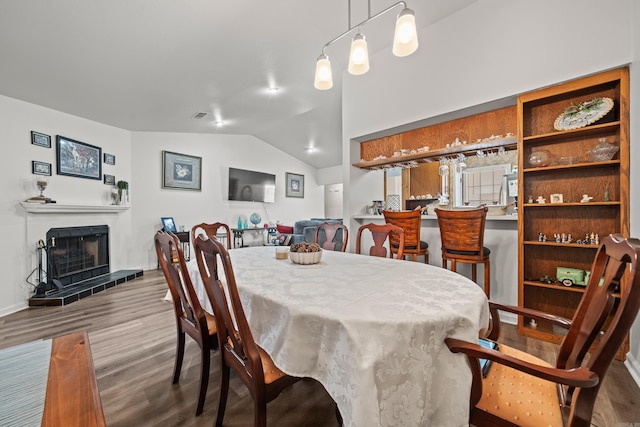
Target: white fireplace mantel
50, 208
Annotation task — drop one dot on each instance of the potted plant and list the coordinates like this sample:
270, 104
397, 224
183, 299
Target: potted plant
123, 191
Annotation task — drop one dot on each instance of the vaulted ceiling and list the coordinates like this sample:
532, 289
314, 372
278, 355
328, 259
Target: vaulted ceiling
150, 65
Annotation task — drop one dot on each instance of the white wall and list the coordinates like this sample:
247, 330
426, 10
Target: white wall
489, 51
218, 152
18, 253
138, 161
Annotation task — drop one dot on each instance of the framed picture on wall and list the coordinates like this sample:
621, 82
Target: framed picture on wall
40, 168
78, 159
40, 139
181, 171
109, 159
109, 179
295, 185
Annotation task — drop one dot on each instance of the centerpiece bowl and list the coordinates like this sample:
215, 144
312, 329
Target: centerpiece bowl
305, 253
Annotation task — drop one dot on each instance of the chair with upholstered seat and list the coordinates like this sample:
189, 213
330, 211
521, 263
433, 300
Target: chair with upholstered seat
380, 233
238, 349
410, 222
526, 391
211, 230
328, 236
191, 318
462, 236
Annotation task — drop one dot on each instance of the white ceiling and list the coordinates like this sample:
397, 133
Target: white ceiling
149, 65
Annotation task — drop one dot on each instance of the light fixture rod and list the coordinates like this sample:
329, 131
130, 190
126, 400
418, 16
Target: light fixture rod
382, 12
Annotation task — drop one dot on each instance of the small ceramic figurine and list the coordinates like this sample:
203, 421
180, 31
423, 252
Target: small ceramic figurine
540, 237
541, 200
530, 199
586, 198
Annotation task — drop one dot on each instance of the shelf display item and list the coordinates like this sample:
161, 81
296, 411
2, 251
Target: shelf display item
603, 151
539, 158
583, 114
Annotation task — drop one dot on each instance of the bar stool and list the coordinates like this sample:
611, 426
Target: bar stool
462, 235
410, 222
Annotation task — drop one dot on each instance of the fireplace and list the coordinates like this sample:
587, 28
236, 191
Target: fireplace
76, 254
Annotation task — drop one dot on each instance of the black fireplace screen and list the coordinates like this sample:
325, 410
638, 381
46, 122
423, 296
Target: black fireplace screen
77, 253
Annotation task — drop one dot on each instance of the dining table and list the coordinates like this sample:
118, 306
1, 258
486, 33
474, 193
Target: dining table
371, 330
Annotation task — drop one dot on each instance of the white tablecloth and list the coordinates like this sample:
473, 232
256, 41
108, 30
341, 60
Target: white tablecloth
371, 330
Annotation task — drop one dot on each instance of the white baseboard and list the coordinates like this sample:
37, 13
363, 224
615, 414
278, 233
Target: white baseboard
633, 367
13, 309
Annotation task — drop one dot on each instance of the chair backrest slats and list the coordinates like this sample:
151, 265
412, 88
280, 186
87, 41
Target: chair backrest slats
234, 334
462, 229
604, 316
329, 231
185, 299
210, 230
380, 234
410, 222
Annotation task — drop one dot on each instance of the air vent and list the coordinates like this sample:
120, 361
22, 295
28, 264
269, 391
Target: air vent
199, 115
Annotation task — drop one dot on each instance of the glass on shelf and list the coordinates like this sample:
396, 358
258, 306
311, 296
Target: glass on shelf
540, 157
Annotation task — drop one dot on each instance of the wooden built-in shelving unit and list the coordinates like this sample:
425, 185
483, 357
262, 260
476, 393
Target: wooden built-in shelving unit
537, 112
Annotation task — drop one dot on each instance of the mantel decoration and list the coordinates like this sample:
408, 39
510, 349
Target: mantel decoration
583, 114
123, 192
295, 185
405, 42
78, 159
181, 171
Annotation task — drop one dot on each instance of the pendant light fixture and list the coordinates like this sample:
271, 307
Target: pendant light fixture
405, 42
359, 56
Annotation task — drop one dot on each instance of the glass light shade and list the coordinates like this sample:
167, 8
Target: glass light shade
359, 56
324, 78
405, 39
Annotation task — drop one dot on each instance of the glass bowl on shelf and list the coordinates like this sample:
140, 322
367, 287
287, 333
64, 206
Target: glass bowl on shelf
568, 160
540, 157
603, 151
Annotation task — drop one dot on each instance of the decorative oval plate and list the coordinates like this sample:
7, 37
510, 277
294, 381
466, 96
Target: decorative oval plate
585, 113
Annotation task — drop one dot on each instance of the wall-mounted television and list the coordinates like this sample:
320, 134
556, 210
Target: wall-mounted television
251, 186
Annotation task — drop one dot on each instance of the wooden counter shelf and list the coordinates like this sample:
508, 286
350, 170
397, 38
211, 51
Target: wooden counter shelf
434, 155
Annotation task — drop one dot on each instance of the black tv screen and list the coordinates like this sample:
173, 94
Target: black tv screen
251, 186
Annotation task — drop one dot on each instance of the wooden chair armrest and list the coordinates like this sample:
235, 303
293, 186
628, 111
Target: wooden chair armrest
577, 377
540, 316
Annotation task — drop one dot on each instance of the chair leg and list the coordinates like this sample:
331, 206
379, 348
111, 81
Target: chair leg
224, 391
260, 414
487, 279
453, 265
179, 356
474, 273
204, 377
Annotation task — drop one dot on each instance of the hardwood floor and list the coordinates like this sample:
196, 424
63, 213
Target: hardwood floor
132, 335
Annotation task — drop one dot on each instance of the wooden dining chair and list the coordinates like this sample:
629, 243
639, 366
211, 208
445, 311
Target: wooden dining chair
211, 230
191, 318
526, 391
410, 222
328, 236
380, 233
462, 236
238, 349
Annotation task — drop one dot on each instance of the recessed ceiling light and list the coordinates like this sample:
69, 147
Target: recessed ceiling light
273, 89
311, 149
218, 123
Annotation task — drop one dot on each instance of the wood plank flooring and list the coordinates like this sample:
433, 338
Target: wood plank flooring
132, 335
